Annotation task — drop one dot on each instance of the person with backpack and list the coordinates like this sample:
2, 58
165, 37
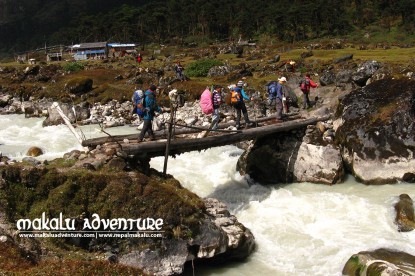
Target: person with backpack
137, 99
179, 71
305, 85
277, 96
272, 92
150, 106
239, 104
217, 101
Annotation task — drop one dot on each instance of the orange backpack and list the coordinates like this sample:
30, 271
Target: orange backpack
235, 97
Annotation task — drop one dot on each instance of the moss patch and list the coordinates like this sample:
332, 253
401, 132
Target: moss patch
12, 258
29, 193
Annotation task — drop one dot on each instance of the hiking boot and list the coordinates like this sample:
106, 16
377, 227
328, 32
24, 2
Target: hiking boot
238, 126
139, 140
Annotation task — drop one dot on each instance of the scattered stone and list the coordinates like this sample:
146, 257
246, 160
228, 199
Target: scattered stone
405, 218
34, 151
31, 160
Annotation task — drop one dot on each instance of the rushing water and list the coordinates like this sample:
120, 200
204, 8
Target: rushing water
18, 134
300, 228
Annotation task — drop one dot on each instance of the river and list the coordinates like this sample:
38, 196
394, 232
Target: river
300, 228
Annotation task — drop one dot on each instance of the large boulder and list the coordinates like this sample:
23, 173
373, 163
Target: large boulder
343, 58
79, 86
32, 70
221, 239
5, 100
219, 71
74, 113
318, 164
270, 159
365, 71
344, 76
328, 77
380, 262
302, 155
376, 131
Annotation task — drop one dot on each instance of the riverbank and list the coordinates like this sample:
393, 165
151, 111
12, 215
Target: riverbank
291, 219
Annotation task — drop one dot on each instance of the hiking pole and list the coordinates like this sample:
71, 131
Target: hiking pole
253, 100
169, 134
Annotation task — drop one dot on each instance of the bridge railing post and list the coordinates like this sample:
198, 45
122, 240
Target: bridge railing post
169, 135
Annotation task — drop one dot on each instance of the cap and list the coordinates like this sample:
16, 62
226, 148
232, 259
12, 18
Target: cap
282, 79
153, 87
240, 83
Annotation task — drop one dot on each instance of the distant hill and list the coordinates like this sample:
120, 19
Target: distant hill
28, 24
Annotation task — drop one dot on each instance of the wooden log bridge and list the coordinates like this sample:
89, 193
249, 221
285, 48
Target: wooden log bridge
178, 146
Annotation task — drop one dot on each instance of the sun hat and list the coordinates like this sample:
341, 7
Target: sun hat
282, 79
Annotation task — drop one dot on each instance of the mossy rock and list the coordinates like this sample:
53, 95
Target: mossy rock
30, 192
373, 263
79, 86
378, 126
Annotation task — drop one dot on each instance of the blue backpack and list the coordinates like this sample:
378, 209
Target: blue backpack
272, 89
138, 100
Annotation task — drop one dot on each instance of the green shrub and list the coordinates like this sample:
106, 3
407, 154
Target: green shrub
201, 68
73, 67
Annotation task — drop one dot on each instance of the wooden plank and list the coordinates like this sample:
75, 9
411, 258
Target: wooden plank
152, 149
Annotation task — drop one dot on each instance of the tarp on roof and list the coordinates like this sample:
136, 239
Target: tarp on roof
90, 52
116, 45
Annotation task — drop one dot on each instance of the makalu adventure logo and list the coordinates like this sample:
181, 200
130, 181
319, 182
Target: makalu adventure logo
95, 226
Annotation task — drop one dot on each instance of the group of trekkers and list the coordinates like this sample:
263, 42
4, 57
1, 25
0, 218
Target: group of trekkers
279, 96
145, 104
237, 99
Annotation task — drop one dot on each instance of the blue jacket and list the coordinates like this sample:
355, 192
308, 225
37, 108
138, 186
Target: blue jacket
150, 104
280, 92
242, 92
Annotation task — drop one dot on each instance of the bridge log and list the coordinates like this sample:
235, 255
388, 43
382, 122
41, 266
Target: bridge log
157, 148
159, 134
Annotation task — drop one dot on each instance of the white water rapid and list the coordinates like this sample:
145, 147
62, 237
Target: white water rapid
300, 228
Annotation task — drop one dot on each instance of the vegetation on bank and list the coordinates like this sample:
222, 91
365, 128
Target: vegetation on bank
73, 66
115, 79
201, 67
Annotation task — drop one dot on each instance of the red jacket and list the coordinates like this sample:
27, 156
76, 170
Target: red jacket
312, 84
